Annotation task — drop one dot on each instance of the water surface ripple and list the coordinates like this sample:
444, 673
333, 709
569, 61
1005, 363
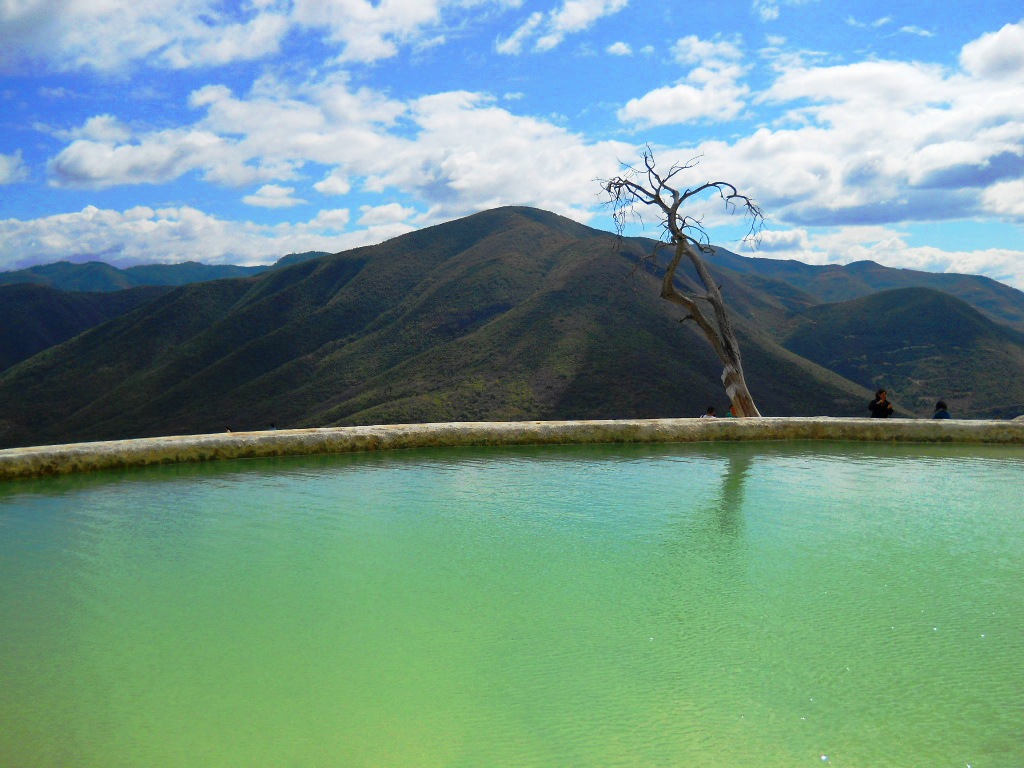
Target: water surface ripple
709, 605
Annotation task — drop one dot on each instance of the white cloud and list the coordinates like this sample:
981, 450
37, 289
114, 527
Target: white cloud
106, 128
109, 35
262, 138
767, 10
717, 53
12, 168
513, 44
334, 183
869, 145
912, 30
433, 42
572, 17
889, 82
160, 156
826, 161
575, 16
168, 235
888, 246
944, 138
72, 34
877, 23
683, 103
368, 31
454, 153
468, 155
771, 240
328, 220
232, 42
273, 196
392, 213
1006, 199
619, 49
997, 54
710, 91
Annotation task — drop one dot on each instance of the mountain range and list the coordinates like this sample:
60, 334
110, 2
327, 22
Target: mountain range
36, 317
96, 276
50, 303
513, 313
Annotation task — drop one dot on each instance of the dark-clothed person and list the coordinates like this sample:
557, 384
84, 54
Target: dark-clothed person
880, 407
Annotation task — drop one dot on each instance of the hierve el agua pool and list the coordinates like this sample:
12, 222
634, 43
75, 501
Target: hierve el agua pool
711, 604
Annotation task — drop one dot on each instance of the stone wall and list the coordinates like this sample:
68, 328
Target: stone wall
83, 457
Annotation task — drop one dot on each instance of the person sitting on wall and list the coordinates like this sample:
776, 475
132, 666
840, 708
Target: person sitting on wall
880, 407
941, 412
710, 413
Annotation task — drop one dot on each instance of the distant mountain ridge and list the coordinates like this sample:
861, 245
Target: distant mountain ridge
829, 283
94, 276
512, 313
36, 317
922, 341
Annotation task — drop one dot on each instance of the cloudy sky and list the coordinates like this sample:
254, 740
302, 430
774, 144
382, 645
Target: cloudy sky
172, 130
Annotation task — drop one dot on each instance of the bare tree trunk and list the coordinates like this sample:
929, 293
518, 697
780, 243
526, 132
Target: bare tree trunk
648, 187
718, 333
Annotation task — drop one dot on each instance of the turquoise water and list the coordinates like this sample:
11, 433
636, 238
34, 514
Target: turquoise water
687, 605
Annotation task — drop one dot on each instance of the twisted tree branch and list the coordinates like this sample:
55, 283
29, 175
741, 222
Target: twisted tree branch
646, 187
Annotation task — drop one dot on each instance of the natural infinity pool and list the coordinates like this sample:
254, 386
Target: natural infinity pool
735, 604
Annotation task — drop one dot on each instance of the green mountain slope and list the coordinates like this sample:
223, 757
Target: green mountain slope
511, 313
36, 317
921, 345
833, 283
95, 276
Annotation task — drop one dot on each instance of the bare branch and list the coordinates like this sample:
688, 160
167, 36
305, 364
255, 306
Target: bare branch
637, 188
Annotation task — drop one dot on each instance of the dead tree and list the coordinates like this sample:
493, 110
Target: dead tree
686, 238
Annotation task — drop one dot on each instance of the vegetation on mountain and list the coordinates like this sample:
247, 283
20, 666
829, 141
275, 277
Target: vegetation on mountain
36, 317
512, 313
95, 276
830, 283
921, 344
686, 237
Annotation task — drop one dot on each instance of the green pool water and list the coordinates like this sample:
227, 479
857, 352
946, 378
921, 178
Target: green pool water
685, 605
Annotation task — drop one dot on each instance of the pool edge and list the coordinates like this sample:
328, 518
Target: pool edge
39, 461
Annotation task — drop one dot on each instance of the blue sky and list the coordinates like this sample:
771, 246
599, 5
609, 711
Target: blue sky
173, 130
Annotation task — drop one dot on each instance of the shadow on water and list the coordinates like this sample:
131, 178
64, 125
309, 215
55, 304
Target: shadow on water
713, 517
702, 557
728, 512
736, 457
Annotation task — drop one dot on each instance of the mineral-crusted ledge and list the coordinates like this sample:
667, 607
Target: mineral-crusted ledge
84, 457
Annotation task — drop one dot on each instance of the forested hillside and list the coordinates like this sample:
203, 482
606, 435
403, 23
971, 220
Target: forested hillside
513, 313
